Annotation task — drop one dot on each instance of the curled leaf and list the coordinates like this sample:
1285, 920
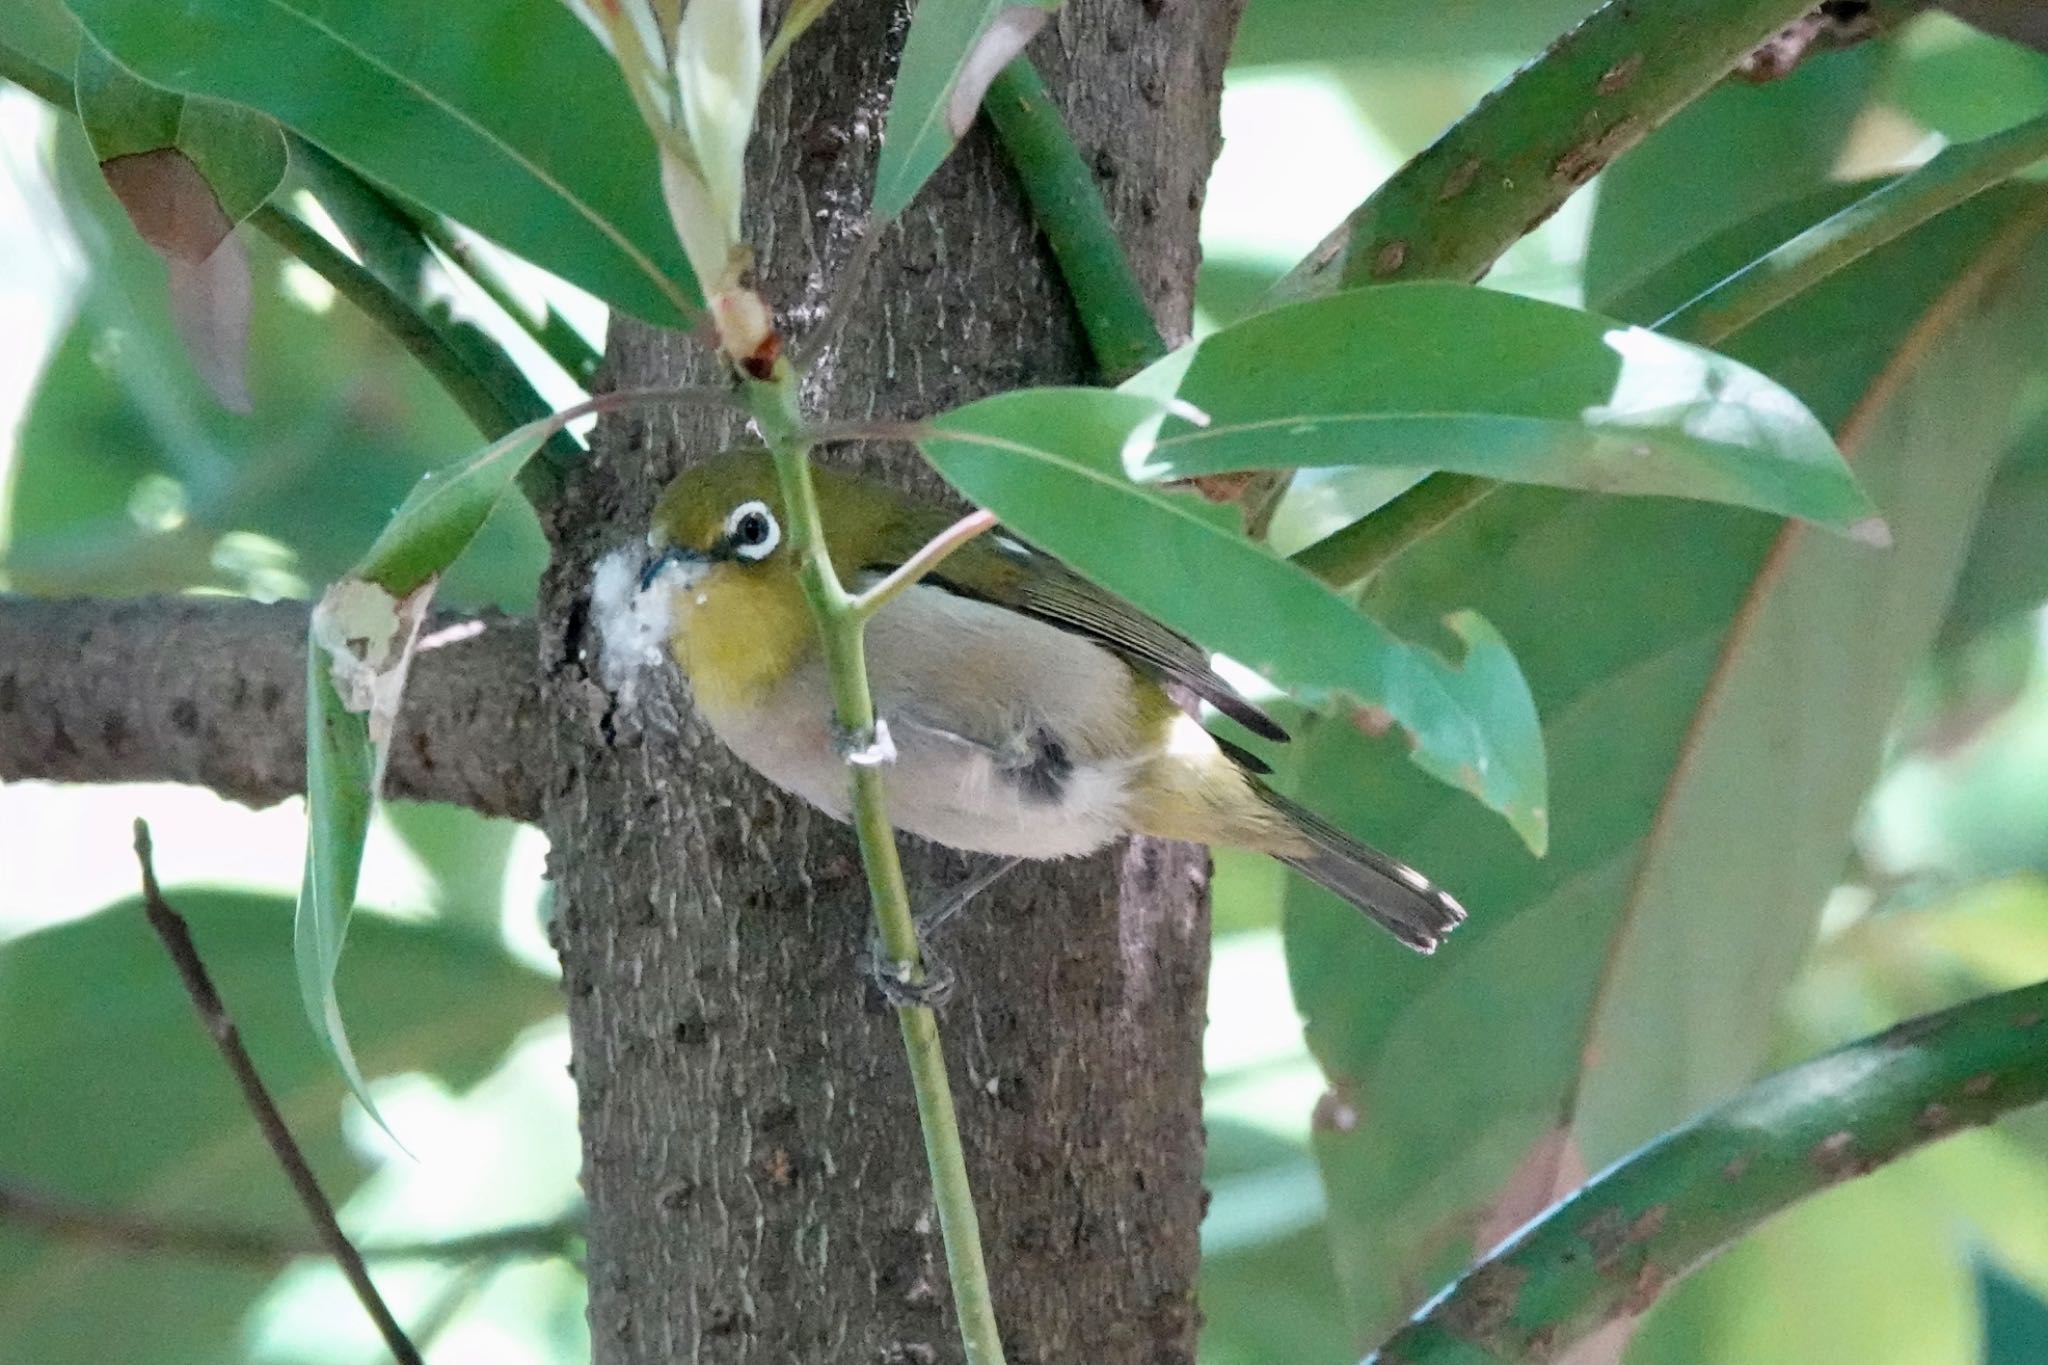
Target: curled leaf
997, 47
954, 50
175, 211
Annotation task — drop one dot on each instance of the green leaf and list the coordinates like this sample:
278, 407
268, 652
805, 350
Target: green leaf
954, 50
2007, 570
1449, 376
2015, 1319
341, 766
116, 1097
360, 644
42, 31
239, 151
1964, 83
130, 479
1713, 713
446, 509
1051, 462
1761, 144
504, 114
1411, 31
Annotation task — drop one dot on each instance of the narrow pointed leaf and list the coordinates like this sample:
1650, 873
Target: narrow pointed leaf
503, 114
360, 645
1713, 714
954, 50
1453, 377
1051, 463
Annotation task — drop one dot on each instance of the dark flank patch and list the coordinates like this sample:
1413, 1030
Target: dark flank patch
1046, 769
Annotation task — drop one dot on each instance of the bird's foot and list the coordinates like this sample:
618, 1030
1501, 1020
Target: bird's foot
907, 986
867, 748
926, 984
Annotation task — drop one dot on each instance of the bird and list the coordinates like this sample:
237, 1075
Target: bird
1028, 709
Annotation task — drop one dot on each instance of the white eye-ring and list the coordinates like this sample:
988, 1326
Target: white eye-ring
752, 531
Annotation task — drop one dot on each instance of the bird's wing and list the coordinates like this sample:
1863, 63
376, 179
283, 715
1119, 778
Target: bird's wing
1038, 585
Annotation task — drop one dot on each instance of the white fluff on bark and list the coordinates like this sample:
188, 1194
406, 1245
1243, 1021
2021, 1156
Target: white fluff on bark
632, 623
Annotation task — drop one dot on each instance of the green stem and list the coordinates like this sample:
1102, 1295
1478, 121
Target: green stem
1610, 1249
840, 621
1068, 206
1887, 213
1348, 557
484, 403
1512, 162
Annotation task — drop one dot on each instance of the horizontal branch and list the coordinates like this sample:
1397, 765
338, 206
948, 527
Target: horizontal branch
211, 691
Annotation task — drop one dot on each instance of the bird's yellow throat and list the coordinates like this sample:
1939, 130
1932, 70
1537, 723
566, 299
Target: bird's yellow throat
737, 632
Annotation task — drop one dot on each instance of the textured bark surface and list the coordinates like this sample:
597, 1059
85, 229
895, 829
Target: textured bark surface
752, 1159
212, 691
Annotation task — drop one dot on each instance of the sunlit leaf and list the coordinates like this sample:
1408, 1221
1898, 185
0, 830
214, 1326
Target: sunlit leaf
954, 50
506, 116
130, 479
1713, 725
1051, 463
1448, 376
117, 1098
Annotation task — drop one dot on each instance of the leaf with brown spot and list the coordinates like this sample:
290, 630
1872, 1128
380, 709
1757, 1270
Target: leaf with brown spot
186, 171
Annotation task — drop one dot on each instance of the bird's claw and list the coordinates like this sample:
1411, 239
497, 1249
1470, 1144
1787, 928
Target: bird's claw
902, 985
898, 981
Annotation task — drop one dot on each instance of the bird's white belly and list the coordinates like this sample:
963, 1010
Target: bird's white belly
937, 789
955, 776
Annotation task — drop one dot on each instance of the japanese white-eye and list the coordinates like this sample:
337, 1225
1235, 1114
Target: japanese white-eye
1027, 707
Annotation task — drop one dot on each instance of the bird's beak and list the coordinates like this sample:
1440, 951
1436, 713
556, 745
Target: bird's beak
692, 562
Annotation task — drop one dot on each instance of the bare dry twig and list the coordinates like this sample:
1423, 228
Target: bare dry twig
176, 936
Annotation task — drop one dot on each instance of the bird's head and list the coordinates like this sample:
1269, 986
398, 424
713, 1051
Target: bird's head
718, 519
720, 551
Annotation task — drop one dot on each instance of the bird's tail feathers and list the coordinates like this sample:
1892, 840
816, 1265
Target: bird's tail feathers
1393, 894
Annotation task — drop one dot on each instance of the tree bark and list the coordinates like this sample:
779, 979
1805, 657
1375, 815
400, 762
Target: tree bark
212, 691
756, 1182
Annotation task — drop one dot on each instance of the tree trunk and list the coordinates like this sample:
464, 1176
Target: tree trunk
756, 1181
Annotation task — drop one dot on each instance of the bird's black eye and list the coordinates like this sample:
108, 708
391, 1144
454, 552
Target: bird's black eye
751, 530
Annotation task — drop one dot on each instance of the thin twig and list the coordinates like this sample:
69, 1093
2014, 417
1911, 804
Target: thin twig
141, 1234
1953, 176
176, 936
840, 633
934, 553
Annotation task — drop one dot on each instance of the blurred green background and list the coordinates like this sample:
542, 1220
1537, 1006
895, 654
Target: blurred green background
119, 475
